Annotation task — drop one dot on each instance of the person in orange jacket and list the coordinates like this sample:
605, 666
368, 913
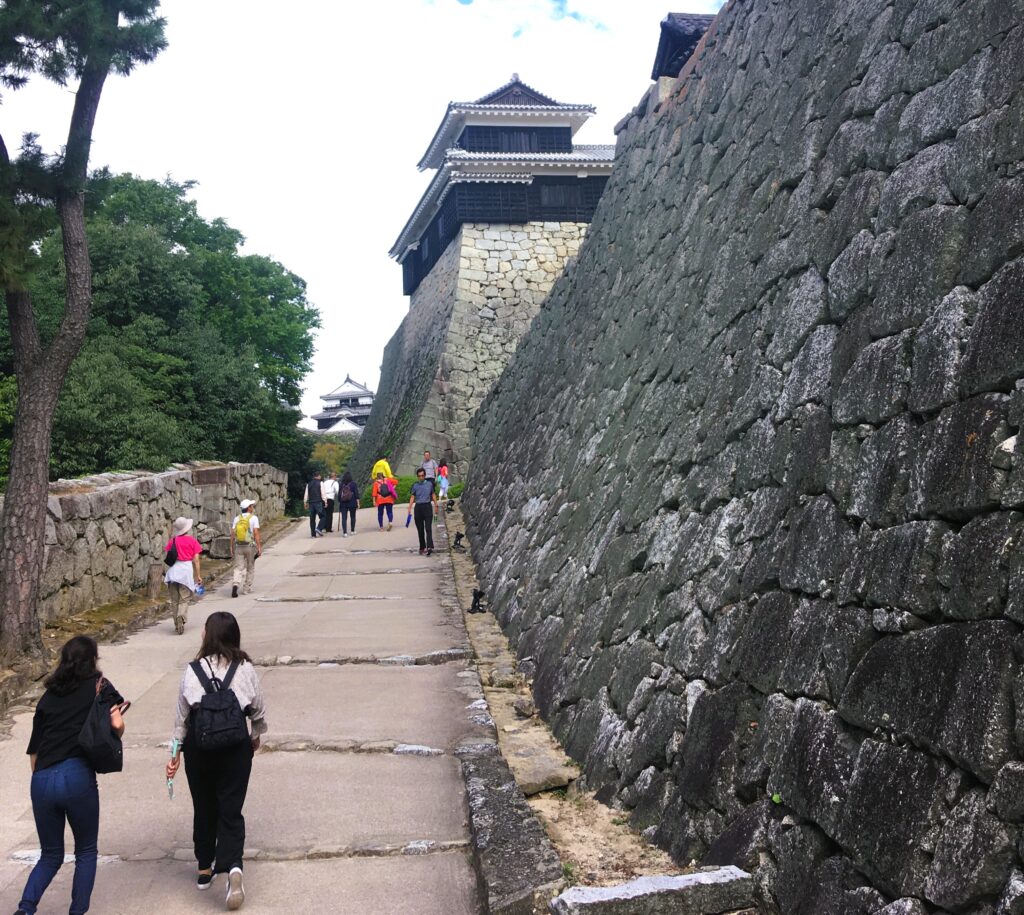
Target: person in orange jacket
384, 499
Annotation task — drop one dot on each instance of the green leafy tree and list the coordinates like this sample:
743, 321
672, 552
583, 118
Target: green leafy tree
332, 453
63, 41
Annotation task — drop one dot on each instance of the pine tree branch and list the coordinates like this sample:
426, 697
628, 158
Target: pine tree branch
71, 204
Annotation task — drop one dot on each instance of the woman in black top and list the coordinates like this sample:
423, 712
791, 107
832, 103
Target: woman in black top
348, 502
63, 781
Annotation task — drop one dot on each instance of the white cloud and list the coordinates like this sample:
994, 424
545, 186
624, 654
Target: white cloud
304, 127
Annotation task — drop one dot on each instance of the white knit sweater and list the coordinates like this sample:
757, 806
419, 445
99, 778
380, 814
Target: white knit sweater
245, 685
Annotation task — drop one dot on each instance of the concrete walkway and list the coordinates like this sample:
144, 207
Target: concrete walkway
356, 803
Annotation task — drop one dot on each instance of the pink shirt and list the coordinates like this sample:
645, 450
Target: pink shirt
188, 547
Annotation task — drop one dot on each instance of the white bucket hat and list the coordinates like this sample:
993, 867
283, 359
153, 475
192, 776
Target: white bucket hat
247, 502
182, 526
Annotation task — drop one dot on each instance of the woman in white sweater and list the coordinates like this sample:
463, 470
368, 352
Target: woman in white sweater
218, 765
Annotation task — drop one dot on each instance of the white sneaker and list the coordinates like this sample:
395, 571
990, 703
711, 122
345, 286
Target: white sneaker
236, 892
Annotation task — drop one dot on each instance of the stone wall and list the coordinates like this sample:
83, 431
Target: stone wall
749, 499
104, 532
465, 321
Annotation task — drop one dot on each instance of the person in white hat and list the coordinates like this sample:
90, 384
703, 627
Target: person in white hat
183, 575
246, 547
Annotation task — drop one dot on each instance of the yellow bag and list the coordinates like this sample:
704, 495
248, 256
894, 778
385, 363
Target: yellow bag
242, 532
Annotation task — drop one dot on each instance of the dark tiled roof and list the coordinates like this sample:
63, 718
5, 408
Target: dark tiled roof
687, 24
515, 92
680, 34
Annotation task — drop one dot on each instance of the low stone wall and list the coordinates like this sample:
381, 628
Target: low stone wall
103, 533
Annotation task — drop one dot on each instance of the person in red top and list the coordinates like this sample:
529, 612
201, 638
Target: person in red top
183, 577
384, 499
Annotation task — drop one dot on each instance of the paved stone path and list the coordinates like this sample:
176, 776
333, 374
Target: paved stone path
356, 804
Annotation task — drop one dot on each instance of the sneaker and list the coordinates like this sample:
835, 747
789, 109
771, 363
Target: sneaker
389, 525
179, 624
234, 590
204, 881
422, 552
430, 552
236, 892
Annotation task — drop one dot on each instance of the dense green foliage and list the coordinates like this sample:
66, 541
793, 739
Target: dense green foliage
332, 453
194, 350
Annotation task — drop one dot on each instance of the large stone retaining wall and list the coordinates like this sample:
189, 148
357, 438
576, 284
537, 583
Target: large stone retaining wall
750, 495
103, 533
465, 321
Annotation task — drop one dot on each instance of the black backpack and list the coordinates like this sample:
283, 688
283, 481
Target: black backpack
101, 746
218, 721
347, 493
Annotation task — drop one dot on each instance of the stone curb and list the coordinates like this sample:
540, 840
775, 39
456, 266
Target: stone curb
713, 891
518, 870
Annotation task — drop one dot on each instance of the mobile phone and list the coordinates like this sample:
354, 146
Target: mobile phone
125, 706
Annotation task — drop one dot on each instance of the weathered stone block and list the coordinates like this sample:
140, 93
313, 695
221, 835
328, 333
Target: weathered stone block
978, 564
1006, 796
973, 856
948, 688
716, 736
994, 352
818, 549
938, 352
876, 386
952, 469
878, 489
708, 892
897, 567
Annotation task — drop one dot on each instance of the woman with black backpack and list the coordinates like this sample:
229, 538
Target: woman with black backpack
64, 774
348, 502
219, 691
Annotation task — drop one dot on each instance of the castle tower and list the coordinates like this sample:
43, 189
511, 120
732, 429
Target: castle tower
509, 204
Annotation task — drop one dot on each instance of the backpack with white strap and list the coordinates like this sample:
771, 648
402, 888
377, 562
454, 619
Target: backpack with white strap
243, 529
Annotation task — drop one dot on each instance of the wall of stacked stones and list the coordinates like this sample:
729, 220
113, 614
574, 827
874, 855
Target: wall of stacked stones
103, 533
409, 370
465, 321
749, 498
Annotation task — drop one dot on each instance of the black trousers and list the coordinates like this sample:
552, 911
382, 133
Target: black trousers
218, 781
347, 510
316, 517
329, 516
423, 515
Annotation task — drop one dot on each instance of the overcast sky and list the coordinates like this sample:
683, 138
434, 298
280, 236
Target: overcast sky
303, 123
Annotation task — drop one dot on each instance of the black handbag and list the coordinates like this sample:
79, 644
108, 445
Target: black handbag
172, 554
101, 746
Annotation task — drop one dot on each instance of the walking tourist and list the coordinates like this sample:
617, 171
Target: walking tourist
313, 500
442, 478
382, 467
330, 487
422, 503
246, 547
219, 690
63, 778
429, 466
348, 502
183, 576
384, 499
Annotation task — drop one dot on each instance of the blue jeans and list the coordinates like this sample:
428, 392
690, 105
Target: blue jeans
389, 508
64, 791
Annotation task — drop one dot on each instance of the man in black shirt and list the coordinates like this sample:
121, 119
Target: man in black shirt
422, 504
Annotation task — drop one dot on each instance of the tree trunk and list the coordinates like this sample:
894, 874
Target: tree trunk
40, 375
23, 534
